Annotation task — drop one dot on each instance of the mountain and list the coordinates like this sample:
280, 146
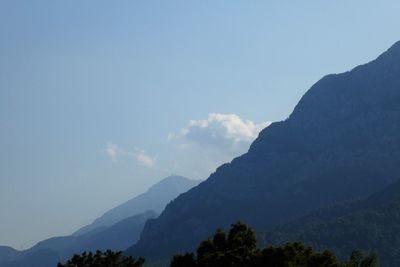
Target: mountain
156, 198
8, 253
116, 237
341, 142
42, 258
117, 229
370, 224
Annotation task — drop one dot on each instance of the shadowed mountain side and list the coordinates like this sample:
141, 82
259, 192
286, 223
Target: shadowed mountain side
156, 198
341, 142
42, 258
117, 237
372, 224
8, 253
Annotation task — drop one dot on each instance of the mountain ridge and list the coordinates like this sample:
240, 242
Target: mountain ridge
60, 248
155, 198
341, 142
117, 233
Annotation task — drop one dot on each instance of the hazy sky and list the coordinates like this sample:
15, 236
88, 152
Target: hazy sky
101, 99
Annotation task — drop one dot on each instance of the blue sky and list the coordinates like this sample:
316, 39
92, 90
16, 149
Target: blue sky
101, 99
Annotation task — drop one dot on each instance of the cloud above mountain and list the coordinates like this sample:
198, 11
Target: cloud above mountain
112, 151
197, 148
145, 159
225, 132
141, 156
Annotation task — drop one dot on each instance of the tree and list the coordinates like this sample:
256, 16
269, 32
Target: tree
239, 249
296, 254
236, 249
186, 260
100, 259
360, 259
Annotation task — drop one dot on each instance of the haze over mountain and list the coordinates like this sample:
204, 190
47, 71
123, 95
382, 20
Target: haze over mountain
49, 252
78, 76
155, 199
117, 229
341, 142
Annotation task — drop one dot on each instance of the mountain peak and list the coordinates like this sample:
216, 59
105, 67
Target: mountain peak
363, 88
176, 182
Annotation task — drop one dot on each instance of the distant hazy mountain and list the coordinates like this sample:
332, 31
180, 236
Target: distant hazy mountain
341, 142
43, 258
117, 229
371, 224
156, 198
116, 237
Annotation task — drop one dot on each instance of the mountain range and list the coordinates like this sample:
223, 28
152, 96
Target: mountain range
117, 229
328, 175
340, 143
155, 199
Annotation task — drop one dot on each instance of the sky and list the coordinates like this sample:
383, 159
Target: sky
99, 99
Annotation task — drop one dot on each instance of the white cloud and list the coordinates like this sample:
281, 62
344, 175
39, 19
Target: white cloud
205, 144
112, 151
140, 155
145, 159
226, 132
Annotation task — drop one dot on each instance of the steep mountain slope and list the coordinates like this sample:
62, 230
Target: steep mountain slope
116, 237
371, 224
156, 198
340, 142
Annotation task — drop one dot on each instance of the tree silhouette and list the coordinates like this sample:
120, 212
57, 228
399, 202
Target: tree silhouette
100, 259
239, 249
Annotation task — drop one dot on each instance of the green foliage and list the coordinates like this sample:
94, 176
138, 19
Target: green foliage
235, 249
100, 259
295, 254
239, 249
186, 260
359, 259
